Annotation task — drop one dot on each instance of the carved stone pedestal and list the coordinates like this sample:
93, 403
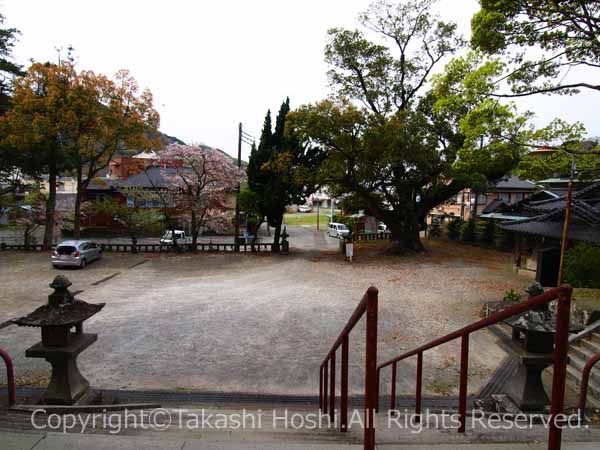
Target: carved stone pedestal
525, 388
67, 384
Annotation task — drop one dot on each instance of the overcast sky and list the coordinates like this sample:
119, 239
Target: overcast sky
211, 65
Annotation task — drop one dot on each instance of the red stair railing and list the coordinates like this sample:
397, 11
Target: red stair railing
368, 307
585, 379
10, 378
563, 295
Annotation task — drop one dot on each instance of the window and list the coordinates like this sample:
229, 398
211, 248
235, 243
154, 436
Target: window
518, 196
482, 199
504, 196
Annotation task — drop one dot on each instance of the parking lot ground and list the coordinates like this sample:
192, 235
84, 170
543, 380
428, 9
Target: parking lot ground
262, 323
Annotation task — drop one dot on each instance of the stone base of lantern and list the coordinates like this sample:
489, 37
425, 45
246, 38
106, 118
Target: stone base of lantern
525, 388
67, 385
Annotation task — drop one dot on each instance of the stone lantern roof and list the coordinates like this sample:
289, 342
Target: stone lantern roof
62, 308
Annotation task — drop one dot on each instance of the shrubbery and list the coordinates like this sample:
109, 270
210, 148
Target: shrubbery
454, 227
582, 266
467, 231
488, 232
435, 229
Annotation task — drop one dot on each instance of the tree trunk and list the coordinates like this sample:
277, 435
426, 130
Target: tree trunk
50, 207
195, 231
77, 216
277, 236
405, 236
134, 241
26, 237
255, 237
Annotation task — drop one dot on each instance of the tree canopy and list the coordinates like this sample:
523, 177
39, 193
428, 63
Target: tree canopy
281, 171
394, 136
542, 39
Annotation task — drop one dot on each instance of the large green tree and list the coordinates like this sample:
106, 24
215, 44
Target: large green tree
392, 139
8, 68
541, 39
281, 171
9, 176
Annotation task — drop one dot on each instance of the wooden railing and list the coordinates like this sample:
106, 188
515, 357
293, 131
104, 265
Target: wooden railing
561, 343
367, 306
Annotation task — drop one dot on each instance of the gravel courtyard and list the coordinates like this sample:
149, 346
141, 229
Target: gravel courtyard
261, 323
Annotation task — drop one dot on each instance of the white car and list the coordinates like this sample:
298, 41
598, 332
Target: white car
338, 230
304, 209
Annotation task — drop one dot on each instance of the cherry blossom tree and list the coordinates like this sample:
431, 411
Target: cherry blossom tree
203, 177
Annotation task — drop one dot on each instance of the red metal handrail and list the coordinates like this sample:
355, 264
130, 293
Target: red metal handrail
562, 294
368, 306
585, 379
10, 378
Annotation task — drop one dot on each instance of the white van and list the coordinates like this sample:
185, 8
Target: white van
167, 237
338, 230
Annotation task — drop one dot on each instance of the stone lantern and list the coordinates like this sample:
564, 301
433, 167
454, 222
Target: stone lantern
532, 345
63, 339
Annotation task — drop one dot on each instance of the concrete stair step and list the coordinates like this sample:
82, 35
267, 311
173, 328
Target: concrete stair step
581, 351
591, 345
579, 363
574, 376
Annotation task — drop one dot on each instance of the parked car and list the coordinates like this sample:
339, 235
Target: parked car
167, 237
304, 209
75, 253
382, 228
338, 230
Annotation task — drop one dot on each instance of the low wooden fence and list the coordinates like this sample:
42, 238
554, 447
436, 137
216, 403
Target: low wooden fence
158, 248
383, 236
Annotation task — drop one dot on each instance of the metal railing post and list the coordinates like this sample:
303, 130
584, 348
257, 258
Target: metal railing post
585, 378
325, 384
10, 378
321, 388
464, 374
332, 388
561, 347
344, 386
371, 399
393, 396
419, 386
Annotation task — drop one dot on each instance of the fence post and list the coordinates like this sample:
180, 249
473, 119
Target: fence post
561, 347
371, 399
464, 374
344, 386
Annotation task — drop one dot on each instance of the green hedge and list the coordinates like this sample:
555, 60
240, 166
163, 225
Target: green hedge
582, 266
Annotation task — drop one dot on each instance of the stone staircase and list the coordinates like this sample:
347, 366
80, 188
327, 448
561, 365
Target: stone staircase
579, 354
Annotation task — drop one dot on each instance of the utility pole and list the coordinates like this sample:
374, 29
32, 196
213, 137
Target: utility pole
331, 204
236, 241
318, 212
247, 139
565, 233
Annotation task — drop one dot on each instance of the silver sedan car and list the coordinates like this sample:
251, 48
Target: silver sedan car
75, 253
